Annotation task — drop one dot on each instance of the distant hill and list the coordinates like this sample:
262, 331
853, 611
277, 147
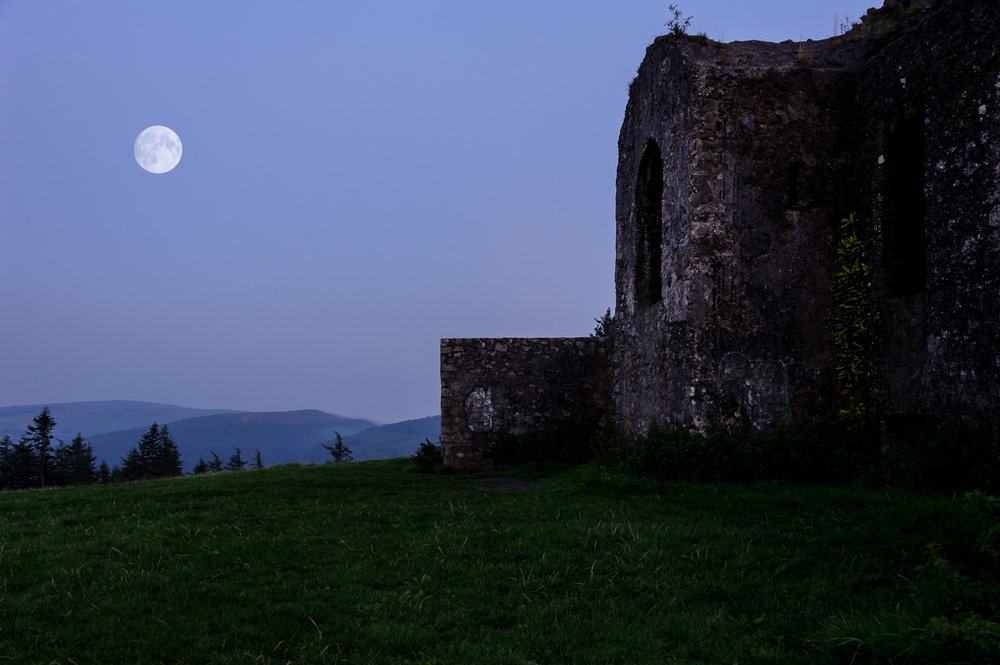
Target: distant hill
281, 436
396, 440
113, 427
92, 418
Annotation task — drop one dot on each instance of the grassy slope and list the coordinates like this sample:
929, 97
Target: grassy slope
367, 563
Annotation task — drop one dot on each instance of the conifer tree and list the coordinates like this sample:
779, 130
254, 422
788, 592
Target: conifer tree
103, 473
215, 464
155, 457
6, 446
131, 468
604, 324
84, 461
148, 452
168, 461
257, 462
201, 467
61, 464
20, 465
39, 438
236, 462
74, 464
339, 451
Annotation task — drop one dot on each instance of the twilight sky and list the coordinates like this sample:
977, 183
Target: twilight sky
359, 179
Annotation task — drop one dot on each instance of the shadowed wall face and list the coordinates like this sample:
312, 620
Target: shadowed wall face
929, 112
491, 388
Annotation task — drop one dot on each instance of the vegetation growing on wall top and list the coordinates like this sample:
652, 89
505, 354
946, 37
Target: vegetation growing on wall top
882, 21
677, 23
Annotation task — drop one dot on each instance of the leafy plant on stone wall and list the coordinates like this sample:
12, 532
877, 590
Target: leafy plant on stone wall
851, 317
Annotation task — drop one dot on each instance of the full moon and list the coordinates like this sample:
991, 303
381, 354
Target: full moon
157, 149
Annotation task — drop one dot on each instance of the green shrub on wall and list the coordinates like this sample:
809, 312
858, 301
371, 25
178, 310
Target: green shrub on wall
851, 316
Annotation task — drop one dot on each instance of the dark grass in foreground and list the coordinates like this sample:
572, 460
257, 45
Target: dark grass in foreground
367, 563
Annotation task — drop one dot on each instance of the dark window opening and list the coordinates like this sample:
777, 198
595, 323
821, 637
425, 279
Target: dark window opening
792, 190
904, 242
649, 227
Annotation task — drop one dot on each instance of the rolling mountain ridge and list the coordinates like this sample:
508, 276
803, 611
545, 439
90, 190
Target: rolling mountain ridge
280, 436
384, 442
90, 418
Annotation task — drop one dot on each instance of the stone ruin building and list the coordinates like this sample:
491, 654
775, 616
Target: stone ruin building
737, 162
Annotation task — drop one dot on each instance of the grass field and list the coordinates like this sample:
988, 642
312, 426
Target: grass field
367, 563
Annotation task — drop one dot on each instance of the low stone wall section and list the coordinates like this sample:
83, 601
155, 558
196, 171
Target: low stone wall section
493, 387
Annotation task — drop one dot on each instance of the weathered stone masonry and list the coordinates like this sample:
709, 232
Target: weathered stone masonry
736, 163
494, 387
928, 102
723, 325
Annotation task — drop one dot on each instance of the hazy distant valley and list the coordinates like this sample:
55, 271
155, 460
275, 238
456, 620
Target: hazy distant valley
112, 427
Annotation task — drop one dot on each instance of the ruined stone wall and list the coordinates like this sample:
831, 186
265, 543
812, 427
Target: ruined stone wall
736, 164
651, 376
759, 163
928, 100
494, 387
765, 147
774, 167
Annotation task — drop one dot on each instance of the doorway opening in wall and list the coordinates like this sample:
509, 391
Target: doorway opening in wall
904, 241
649, 227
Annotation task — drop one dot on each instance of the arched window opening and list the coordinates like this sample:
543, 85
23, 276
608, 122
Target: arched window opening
649, 227
904, 241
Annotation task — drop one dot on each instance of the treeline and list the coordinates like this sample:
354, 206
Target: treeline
38, 459
156, 456
235, 463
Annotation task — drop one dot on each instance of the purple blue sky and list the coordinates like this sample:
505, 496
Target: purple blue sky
359, 179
